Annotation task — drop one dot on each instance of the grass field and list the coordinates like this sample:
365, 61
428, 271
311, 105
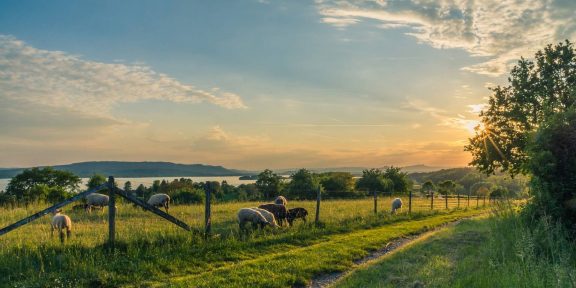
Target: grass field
151, 251
496, 251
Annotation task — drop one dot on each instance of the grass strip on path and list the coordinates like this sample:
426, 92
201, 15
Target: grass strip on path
436, 261
296, 266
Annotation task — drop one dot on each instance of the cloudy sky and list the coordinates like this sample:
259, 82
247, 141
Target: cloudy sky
259, 83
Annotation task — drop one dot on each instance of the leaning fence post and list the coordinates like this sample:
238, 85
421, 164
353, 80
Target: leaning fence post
318, 199
375, 203
432, 201
410, 202
111, 213
207, 214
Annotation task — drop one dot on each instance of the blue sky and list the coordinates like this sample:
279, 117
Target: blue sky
258, 84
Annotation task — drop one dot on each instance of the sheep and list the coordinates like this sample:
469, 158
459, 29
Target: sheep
160, 200
250, 215
61, 221
96, 200
268, 215
281, 200
279, 211
296, 213
396, 204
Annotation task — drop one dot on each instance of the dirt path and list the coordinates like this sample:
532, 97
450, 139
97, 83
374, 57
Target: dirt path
327, 280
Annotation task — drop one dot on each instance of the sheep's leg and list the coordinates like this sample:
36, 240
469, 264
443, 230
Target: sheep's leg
61, 236
68, 232
166, 206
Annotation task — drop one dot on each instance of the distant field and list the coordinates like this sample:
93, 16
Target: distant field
151, 249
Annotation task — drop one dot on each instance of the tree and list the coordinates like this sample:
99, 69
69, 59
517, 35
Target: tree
338, 184
447, 187
95, 181
481, 188
35, 184
400, 181
128, 187
304, 185
268, 183
536, 91
428, 187
373, 180
141, 191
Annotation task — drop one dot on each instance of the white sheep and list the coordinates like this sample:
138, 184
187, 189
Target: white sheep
396, 204
268, 215
96, 200
160, 200
61, 221
281, 200
253, 216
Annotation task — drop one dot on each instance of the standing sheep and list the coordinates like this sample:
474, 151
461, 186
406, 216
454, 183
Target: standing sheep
396, 204
96, 200
268, 215
250, 215
281, 200
279, 211
160, 200
61, 221
296, 213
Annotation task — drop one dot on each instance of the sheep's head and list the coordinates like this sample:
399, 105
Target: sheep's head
56, 211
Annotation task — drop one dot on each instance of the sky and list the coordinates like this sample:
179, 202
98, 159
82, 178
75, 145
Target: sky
259, 84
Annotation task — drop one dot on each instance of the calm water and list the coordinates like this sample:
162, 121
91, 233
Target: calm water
147, 181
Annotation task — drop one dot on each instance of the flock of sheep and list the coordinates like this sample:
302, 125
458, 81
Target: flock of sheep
270, 214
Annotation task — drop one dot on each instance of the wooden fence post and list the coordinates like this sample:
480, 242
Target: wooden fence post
318, 199
111, 214
432, 201
468, 199
477, 197
446, 199
375, 203
207, 214
410, 202
458, 196
484, 201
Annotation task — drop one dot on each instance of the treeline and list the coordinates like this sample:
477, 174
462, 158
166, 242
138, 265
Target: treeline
52, 186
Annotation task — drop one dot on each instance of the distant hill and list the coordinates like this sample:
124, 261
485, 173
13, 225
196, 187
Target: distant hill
445, 174
357, 171
136, 169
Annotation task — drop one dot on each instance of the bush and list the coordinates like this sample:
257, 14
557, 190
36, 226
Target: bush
189, 196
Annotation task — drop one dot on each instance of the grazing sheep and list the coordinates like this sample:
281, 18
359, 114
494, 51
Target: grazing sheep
281, 200
296, 213
250, 215
278, 210
61, 221
160, 200
268, 215
96, 200
396, 204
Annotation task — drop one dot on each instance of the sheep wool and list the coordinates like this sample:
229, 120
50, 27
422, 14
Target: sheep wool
269, 216
60, 222
396, 204
246, 215
97, 200
281, 200
160, 200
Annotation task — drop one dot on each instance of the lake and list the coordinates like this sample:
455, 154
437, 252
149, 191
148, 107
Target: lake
147, 181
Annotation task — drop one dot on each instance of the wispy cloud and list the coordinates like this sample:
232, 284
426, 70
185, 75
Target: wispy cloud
499, 30
61, 80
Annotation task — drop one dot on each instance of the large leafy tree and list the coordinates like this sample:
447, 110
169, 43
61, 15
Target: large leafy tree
373, 180
399, 179
447, 187
39, 184
304, 185
537, 90
268, 183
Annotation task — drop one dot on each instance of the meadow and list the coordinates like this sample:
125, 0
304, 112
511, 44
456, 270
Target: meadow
151, 251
